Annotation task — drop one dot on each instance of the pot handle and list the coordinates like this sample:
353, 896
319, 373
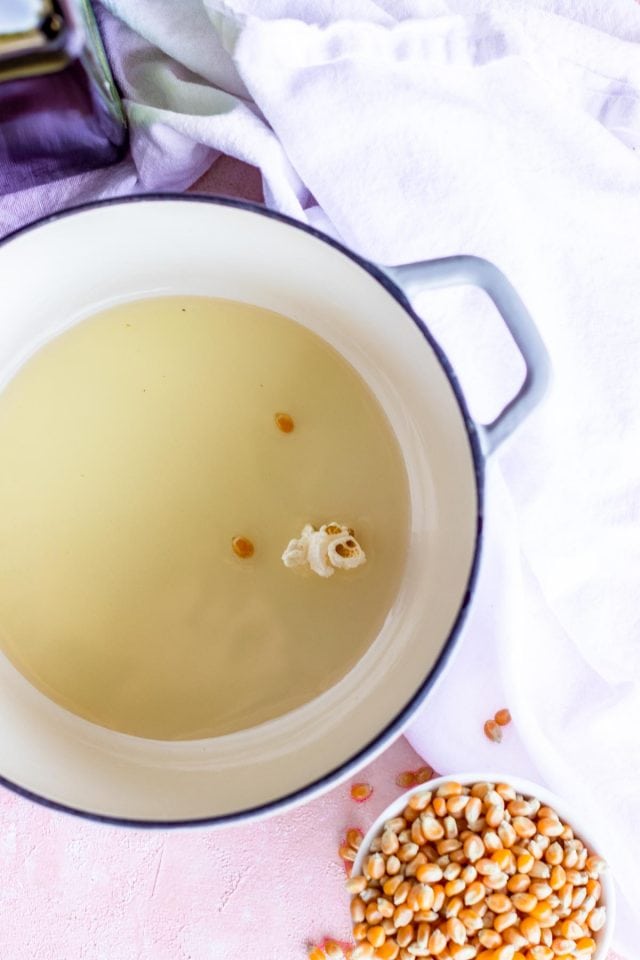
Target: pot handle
455, 271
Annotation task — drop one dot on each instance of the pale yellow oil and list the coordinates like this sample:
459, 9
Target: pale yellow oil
133, 448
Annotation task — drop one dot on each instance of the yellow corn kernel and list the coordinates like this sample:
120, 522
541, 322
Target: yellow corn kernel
437, 942
492, 731
385, 907
410, 815
451, 828
455, 930
462, 952
540, 870
504, 952
388, 951
471, 919
354, 837
372, 914
586, 944
407, 852
524, 828
497, 882
550, 827
513, 936
505, 790
374, 867
424, 774
570, 930
474, 893
455, 805
597, 919
420, 801
541, 890
558, 877
432, 829
345, 852
505, 860
561, 945
416, 833
440, 806
542, 911
405, 935
363, 951
361, 792
450, 789
402, 893
473, 810
473, 849
453, 907
498, 903
520, 808
421, 897
518, 883
578, 898
524, 902
594, 889
389, 842
333, 950
438, 897
554, 854
376, 936
402, 916
540, 953
494, 814
388, 927
595, 865
356, 885
525, 862
390, 886
393, 866
423, 933
489, 939
357, 908
360, 931
448, 846
530, 928
316, 954
505, 920
469, 874
507, 835
406, 780
454, 887
429, 873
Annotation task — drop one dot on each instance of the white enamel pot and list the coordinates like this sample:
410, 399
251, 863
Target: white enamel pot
61, 269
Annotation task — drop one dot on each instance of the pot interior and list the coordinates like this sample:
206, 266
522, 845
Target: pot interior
65, 269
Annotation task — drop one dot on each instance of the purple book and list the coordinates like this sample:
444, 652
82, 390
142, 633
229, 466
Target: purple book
60, 113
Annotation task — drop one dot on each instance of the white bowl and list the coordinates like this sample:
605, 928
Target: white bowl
528, 788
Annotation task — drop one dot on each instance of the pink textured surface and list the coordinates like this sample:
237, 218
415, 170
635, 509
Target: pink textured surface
73, 890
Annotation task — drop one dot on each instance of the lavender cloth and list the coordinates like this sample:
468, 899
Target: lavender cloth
417, 128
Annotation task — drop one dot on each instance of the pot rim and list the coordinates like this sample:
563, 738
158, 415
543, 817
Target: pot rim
394, 728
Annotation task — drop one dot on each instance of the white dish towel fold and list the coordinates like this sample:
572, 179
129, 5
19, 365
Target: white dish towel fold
509, 129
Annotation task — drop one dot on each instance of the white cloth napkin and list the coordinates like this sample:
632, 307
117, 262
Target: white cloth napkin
419, 128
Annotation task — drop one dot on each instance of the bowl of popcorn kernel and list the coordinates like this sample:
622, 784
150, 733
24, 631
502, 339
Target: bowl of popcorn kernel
477, 867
